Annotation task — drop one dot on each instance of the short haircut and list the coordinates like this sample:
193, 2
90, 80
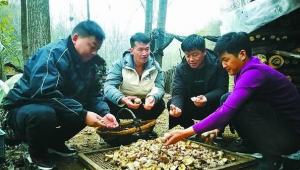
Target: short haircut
233, 43
193, 42
139, 37
89, 28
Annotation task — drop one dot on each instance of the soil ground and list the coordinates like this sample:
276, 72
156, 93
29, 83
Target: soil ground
85, 141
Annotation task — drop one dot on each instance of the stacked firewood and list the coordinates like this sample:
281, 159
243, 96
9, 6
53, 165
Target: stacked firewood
277, 44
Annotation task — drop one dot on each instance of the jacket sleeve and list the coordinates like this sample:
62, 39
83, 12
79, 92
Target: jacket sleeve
44, 84
113, 81
95, 98
221, 86
178, 91
158, 90
242, 91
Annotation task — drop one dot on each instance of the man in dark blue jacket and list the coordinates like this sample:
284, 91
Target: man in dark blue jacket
198, 85
59, 94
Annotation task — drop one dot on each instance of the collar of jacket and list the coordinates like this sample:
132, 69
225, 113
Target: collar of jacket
211, 64
77, 58
129, 62
209, 60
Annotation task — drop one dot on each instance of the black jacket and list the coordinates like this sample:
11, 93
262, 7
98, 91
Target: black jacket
216, 82
55, 76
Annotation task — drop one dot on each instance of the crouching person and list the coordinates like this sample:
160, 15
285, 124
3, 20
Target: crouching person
263, 106
59, 94
136, 75
198, 85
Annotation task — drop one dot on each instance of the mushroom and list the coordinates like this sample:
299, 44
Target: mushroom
137, 101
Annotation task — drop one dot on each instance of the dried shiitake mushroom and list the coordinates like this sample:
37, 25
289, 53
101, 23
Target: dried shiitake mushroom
137, 101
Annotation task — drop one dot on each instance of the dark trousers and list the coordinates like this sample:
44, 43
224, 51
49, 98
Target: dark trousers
41, 128
140, 113
266, 128
189, 112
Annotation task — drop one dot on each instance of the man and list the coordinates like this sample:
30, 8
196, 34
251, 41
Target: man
264, 104
59, 94
136, 75
198, 85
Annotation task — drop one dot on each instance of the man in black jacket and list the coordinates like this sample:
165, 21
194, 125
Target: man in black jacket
198, 85
59, 94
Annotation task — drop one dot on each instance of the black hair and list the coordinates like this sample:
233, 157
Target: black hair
193, 42
89, 28
233, 43
139, 37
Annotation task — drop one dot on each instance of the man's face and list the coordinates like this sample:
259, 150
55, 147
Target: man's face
87, 47
140, 52
233, 64
195, 58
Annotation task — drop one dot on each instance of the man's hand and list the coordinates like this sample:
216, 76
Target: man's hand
210, 136
201, 101
128, 102
110, 121
175, 111
94, 120
149, 103
177, 135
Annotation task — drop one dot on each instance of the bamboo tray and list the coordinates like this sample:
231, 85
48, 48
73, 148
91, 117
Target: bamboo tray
95, 160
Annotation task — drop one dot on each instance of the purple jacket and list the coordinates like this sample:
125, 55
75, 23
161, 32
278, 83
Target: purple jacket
265, 83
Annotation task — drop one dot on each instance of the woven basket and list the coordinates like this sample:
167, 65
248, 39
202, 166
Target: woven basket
137, 129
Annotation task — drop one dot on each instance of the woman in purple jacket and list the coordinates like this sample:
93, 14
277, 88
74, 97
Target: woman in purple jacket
264, 105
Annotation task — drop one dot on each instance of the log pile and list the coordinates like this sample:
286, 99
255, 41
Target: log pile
277, 44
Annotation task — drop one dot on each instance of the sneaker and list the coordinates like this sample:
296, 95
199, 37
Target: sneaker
153, 134
62, 150
44, 162
242, 150
269, 164
290, 164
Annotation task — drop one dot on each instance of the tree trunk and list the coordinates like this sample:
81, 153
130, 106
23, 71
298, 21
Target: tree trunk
24, 30
2, 71
88, 9
162, 14
161, 24
148, 16
38, 24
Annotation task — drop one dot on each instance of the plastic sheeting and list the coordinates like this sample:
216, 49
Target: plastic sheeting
256, 14
166, 38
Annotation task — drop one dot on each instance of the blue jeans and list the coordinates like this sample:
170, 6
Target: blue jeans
40, 128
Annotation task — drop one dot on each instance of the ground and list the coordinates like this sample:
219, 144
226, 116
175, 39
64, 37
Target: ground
85, 141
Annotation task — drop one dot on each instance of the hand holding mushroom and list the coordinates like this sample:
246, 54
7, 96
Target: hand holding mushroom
127, 100
149, 103
174, 111
94, 120
177, 135
199, 101
210, 136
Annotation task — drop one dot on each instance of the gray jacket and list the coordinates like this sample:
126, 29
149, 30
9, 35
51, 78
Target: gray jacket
123, 80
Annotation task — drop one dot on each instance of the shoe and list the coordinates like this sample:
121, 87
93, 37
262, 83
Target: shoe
268, 163
290, 164
44, 162
62, 150
153, 135
242, 150
220, 136
194, 137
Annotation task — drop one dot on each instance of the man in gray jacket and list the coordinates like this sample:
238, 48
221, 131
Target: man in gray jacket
136, 75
